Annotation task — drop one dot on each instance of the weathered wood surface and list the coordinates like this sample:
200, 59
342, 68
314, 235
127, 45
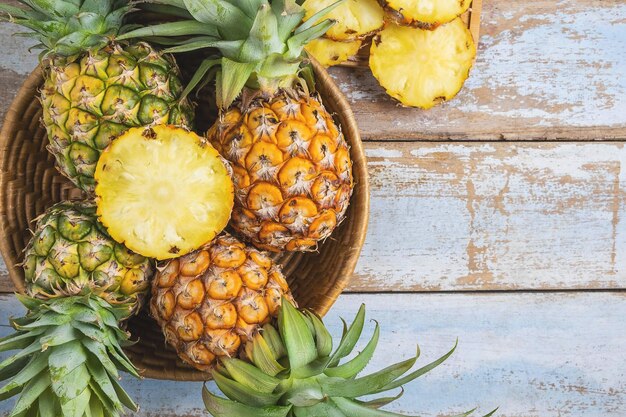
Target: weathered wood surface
494, 216
545, 70
534, 355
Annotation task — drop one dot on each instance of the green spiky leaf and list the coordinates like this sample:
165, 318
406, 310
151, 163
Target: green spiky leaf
221, 407
71, 373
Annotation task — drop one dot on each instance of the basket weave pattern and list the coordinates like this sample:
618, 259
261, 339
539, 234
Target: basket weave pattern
29, 183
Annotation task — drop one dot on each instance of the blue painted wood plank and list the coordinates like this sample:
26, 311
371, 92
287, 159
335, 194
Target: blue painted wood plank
532, 354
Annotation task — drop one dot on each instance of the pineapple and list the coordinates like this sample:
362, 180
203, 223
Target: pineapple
329, 52
210, 301
355, 18
291, 164
425, 14
420, 67
291, 370
163, 191
80, 284
95, 88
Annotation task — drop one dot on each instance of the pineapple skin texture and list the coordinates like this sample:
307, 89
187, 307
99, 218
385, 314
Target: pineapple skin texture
90, 100
210, 302
291, 169
71, 254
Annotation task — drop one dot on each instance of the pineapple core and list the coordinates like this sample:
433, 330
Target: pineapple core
162, 191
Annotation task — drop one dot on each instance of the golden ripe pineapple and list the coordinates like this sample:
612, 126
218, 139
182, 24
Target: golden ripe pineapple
291, 169
421, 67
211, 301
291, 163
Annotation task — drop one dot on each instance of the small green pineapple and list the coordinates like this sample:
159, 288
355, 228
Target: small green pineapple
80, 285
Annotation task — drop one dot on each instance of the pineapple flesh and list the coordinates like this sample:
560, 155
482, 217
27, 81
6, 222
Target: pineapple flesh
96, 88
426, 14
329, 52
209, 302
420, 67
163, 191
291, 163
355, 19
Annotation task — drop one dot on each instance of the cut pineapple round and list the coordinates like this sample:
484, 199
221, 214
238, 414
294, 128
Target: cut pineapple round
426, 14
422, 68
163, 191
354, 18
329, 52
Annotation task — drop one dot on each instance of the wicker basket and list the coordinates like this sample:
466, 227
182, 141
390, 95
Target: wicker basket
29, 183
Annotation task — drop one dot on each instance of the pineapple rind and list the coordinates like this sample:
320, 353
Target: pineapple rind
355, 19
71, 254
163, 191
90, 100
425, 12
420, 67
329, 52
211, 301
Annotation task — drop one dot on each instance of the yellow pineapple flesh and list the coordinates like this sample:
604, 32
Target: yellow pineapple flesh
210, 302
162, 191
329, 52
291, 168
355, 19
422, 68
426, 14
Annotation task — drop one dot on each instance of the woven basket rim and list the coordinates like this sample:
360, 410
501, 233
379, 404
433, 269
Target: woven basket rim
341, 276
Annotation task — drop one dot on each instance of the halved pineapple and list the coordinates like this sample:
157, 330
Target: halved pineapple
163, 191
329, 52
422, 68
426, 14
354, 18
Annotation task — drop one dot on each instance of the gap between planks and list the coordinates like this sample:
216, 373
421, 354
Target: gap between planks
534, 355
493, 216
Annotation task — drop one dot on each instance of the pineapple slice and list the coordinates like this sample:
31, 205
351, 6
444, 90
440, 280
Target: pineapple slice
329, 52
426, 14
355, 18
421, 67
162, 191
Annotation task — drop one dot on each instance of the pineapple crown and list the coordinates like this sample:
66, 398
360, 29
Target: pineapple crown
68, 27
260, 42
69, 354
294, 371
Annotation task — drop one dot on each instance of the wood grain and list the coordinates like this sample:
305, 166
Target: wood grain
544, 70
493, 216
534, 355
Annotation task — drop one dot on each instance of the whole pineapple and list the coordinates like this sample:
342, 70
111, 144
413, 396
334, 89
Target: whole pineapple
291, 164
291, 370
95, 88
80, 284
210, 301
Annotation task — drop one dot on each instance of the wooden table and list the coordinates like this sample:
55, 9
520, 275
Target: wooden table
497, 218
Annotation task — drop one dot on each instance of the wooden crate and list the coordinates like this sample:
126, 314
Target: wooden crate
471, 18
